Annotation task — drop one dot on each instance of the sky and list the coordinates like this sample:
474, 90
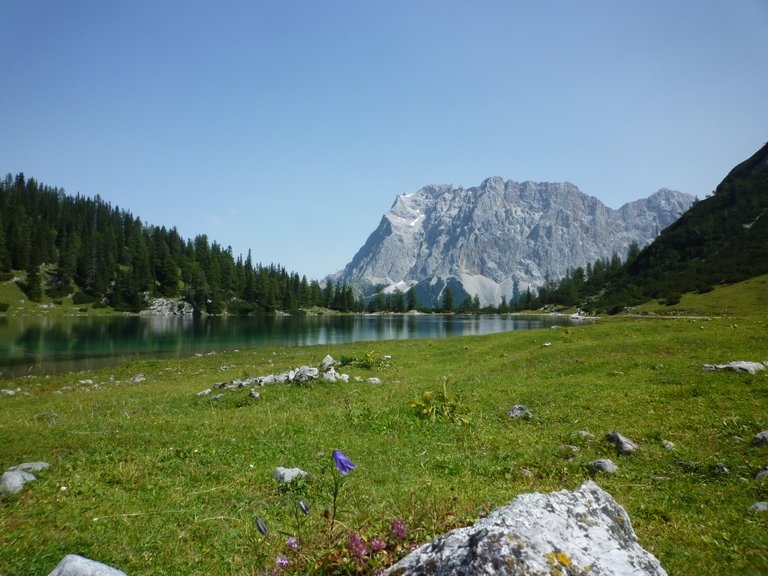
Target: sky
288, 127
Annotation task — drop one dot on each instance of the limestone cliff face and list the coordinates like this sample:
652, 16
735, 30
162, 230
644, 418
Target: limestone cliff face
489, 237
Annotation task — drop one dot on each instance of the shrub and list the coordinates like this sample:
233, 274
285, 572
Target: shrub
4, 306
81, 298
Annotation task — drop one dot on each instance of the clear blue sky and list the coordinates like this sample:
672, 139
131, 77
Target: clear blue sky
289, 126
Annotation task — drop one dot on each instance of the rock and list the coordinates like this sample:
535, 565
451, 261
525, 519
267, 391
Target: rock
759, 507
327, 363
762, 473
30, 467
623, 445
737, 366
305, 374
581, 532
167, 307
588, 436
204, 392
518, 411
330, 375
13, 481
760, 439
374, 380
602, 465
667, 445
719, 469
287, 475
254, 394
74, 565
217, 397
138, 379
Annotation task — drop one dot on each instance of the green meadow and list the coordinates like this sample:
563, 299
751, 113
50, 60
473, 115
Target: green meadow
150, 478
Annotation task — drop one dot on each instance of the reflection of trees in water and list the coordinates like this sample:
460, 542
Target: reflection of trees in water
38, 341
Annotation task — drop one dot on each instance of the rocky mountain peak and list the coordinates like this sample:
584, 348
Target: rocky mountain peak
502, 236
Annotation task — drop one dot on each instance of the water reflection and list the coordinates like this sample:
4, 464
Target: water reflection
49, 344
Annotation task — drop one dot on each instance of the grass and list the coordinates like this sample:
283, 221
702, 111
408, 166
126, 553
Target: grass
160, 481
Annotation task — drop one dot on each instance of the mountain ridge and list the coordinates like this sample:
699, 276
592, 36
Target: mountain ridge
502, 236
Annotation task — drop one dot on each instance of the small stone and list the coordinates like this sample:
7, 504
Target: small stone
13, 481
74, 565
667, 445
30, 467
759, 507
330, 375
254, 394
204, 392
217, 397
374, 380
518, 411
623, 445
7, 392
762, 473
138, 379
526, 473
288, 475
546, 344
588, 436
327, 363
602, 465
719, 469
760, 439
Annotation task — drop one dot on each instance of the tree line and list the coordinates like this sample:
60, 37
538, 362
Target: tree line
106, 256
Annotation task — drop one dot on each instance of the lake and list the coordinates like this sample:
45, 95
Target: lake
44, 345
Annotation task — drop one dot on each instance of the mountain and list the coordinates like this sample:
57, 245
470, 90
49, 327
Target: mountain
722, 239
500, 237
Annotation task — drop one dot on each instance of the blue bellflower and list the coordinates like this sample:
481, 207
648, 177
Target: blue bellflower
343, 464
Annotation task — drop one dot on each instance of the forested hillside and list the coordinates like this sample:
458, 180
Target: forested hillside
101, 254
722, 239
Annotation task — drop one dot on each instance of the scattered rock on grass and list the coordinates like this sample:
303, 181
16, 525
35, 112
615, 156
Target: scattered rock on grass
602, 465
667, 445
579, 532
762, 473
737, 366
138, 379
518, 411
14, 478
288, 475
623, 445
74, 565
759, 507
327, 363
760, 439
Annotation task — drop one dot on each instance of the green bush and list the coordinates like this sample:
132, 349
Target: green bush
4, 306
81, 298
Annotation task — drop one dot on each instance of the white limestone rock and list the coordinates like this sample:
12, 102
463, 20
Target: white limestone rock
74, 565
288, 475
581, 532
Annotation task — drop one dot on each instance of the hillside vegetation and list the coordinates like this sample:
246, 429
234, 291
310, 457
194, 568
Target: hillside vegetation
152, 479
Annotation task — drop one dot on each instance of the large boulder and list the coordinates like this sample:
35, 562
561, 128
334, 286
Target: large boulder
581, 532
74, 565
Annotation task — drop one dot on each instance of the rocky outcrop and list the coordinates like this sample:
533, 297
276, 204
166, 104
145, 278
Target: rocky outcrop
576, 533
167, 307
500, 236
